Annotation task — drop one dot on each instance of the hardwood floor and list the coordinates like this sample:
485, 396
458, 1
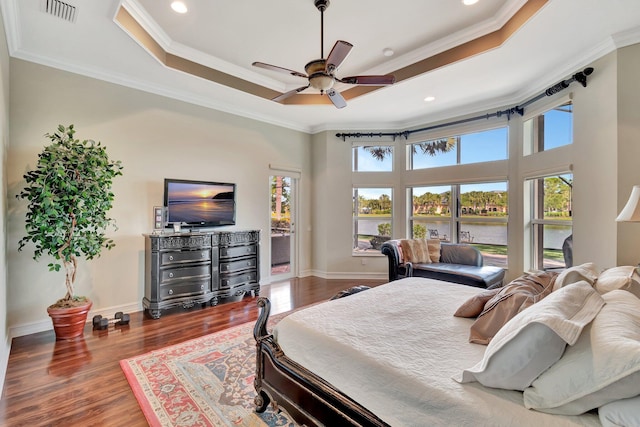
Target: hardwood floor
80, 383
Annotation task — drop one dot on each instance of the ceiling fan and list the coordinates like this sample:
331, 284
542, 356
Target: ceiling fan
321, 72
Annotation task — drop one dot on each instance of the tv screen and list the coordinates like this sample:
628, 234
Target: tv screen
200, 203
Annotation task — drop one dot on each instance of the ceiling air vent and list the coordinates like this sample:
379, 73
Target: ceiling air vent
60, 9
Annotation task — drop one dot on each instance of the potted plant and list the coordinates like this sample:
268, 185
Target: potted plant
69, 195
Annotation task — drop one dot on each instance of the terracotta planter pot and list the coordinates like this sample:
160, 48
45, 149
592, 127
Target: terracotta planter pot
68, 323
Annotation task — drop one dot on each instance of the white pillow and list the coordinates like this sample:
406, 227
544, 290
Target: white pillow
621, 413
603, 365
624, 277
588, 272
535, 338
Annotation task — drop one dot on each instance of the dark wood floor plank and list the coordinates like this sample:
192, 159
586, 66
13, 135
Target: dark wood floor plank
80, 383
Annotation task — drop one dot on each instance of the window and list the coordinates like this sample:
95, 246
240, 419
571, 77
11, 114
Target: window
469, 213
373, 158
482, 221
372, 219
484, 146
430, 213
551, 219
549, 130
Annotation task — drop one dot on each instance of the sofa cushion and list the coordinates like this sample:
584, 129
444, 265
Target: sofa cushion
471, 275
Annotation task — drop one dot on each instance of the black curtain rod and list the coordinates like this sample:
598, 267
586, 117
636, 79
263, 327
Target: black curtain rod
580, 77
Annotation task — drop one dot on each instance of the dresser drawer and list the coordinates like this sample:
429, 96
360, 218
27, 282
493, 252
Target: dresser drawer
237, 251
195, 272
185, 288
180, 257
234, 266
231, 281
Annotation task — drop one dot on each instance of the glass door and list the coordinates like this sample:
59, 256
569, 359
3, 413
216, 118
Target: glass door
282, 227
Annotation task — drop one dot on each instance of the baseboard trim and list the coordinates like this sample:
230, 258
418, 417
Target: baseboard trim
45, 324
4, 363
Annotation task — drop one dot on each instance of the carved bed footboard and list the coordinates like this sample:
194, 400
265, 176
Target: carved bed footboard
309, 399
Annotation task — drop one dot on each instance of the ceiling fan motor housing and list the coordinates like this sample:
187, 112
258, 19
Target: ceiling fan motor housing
318, 77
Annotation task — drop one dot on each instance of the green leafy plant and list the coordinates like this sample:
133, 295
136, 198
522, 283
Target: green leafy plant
69, 195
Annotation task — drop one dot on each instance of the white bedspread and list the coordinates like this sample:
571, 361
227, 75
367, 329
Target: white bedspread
395, 348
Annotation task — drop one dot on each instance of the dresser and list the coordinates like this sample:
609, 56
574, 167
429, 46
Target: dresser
185, 269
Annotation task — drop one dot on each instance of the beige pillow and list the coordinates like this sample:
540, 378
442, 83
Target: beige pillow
603, 366
625, 277
474, 305
434, 249
415, 251
587, 272
511, 299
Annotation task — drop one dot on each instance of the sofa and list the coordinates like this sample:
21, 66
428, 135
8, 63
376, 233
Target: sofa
457, 263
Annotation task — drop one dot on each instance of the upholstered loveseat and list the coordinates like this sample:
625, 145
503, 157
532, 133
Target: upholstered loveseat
457, 262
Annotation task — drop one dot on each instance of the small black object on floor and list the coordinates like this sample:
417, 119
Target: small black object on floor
102, 323
352, 290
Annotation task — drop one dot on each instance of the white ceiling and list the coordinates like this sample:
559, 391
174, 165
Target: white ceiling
228, 35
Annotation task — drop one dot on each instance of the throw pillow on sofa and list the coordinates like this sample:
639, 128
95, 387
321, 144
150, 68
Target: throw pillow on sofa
415, 251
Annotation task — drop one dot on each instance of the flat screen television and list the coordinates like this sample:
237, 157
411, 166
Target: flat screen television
199, 203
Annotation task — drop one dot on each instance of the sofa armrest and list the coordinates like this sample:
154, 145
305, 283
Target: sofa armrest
390, 249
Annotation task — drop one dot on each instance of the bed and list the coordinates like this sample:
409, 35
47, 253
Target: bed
392, 355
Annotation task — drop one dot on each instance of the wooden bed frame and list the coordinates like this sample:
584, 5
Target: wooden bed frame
307, 398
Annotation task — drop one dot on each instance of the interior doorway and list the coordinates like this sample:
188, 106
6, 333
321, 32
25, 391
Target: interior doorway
282, 226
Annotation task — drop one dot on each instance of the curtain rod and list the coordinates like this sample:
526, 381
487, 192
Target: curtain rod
580, 77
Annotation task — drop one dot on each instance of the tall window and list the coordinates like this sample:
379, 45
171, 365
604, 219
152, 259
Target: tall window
372, 219
551, 220
484, 146
551, 129
469, 213
482, 220
373, 158
430, 213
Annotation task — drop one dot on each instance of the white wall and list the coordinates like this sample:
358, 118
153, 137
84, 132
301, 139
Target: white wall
154, 137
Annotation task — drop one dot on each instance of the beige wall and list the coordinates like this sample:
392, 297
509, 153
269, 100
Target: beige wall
603, 159
628, 155
5, 343
154, 137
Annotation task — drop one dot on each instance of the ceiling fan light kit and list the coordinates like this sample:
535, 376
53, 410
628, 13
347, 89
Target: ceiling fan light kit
321, 72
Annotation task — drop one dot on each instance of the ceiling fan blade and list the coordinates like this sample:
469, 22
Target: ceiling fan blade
288, 94
336, 98
278, 69
388, 79
338, 53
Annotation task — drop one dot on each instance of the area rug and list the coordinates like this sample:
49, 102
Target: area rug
206, 381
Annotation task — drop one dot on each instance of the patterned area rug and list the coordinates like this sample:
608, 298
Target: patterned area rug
207, 381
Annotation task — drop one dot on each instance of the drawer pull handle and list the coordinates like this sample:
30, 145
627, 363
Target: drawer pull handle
204, 255
170, 291
202, 287
249, 263
170, 257
170, 274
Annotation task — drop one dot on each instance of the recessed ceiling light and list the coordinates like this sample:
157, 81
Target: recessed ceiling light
387, 51
430, 98
179, 6
469, 2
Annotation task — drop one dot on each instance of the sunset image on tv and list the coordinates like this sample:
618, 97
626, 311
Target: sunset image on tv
200, 203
